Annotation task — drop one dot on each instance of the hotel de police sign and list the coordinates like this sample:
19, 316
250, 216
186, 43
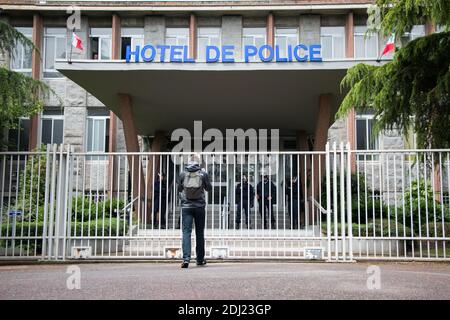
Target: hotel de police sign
225, 54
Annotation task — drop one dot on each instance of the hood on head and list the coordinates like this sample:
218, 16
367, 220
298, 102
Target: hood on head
193, 167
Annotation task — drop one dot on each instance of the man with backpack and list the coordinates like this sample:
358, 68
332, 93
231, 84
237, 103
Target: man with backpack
192, 184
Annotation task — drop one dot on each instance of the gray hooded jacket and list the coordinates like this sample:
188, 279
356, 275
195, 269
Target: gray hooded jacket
197, 203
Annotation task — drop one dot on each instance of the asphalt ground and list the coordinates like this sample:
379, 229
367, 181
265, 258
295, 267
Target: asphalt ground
230, 281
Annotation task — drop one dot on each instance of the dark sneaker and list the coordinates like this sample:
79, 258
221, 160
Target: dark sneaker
201, 263
184, 265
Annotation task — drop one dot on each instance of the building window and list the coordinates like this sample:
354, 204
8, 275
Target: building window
332, 40
366, 44
253, 37
131, 37
100, 43
55, 46
365, 138
177, 36
97, 135
285, 37
207, 37
416, 32
18, 139
52, 127
21, 55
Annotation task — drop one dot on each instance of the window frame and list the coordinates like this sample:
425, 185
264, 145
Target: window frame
287, 36
209, 39
177, 37
333, 36
413, 35
27, 32
53, 118
365, 39
253, 37
100, 37
18, 141
377, 141
96, 117
53, 73
134, 36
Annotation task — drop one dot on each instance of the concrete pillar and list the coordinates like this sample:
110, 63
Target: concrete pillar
193, 36
302, 141
75, 98
309, 25
351, 136
126, 112
323, 122
152, 171
132, 144
155, 31
115, 45
232, 34
351, 117
270, 29
36, 74
112, 146
302, 145
320, 137
349, 36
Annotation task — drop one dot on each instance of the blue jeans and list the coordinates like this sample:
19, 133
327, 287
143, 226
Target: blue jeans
196, 215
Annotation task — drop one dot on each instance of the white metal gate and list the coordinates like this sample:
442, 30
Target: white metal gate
333, 205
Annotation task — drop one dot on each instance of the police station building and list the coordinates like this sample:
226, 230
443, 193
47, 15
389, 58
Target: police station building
148, 68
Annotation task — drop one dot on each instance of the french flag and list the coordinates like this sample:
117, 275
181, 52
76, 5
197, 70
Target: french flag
76, 41
390, 45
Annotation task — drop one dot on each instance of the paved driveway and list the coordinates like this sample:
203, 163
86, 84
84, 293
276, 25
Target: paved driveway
262, 280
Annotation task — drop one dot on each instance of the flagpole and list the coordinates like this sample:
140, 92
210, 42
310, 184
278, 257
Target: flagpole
71, 47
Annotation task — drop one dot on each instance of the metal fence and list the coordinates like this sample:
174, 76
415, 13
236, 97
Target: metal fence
335, 205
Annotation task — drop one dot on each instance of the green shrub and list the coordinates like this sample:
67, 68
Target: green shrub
105, 227
442, 229
83, 207
420, 202
381, 228
31, 188
362, 200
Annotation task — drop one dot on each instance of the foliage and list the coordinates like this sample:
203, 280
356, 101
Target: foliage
103, 227
84, 208
20, 95
442, 229
412, 91
10, 38
375, 228
31, 187
401, 15
363, 202
421, 204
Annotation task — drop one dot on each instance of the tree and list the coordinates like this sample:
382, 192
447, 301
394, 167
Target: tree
20, 95
412, 90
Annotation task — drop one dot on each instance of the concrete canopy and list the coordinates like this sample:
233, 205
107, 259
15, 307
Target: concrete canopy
167, 96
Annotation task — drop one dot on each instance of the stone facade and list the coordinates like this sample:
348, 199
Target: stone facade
76, 101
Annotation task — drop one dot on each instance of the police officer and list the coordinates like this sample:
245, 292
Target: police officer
161, 194
245, 194
266, 193
294, 193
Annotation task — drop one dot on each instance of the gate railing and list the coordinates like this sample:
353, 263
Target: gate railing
338, 204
